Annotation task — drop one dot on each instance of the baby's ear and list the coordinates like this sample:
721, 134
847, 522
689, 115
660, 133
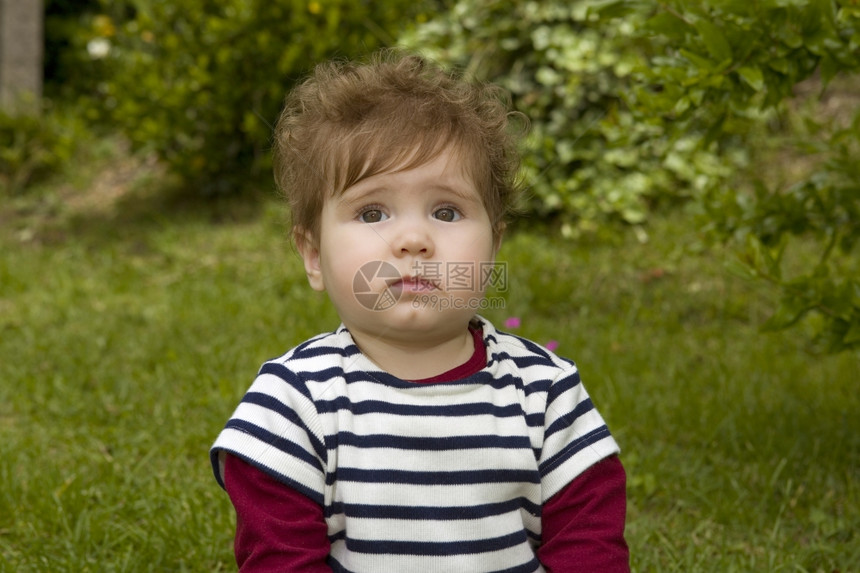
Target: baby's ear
308, 248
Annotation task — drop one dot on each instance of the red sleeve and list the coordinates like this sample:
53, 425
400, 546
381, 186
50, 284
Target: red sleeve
583, 524
277, 528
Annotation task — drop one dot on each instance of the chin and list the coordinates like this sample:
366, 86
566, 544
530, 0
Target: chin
423, 319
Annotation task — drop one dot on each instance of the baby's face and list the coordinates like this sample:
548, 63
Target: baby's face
405, 251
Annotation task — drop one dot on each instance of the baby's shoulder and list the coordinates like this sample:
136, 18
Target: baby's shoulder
325, 347
525, 353
307, 361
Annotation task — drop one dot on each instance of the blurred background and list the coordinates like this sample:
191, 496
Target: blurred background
688, 236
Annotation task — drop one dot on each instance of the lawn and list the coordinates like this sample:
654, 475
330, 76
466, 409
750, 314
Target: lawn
131, 324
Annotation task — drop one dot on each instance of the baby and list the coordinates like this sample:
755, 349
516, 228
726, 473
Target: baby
415, 437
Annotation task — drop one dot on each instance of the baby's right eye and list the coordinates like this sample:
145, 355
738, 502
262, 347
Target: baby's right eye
372, 215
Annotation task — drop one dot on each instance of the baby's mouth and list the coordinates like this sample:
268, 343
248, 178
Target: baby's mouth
410, 284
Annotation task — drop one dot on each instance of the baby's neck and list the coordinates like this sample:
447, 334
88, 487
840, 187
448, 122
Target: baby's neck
413, 360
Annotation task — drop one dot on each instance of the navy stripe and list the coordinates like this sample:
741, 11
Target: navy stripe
506, 381
562, 386
335, 565
535, 420
535, 349
529, 567
568, 419
339, 536
270, 403
327, 375
538, 386
430, 444
378, 377
527, 361
534, 386
572, 448
433, 478
372, 376
453, 410
277, 442
436, 548
431, 513
315, 351
502, 381
216, 466
510, 379
287, 375
301, 347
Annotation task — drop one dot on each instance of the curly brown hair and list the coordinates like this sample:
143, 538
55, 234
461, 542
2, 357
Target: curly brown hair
352, 120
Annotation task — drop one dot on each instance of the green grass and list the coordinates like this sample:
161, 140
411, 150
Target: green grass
127, 338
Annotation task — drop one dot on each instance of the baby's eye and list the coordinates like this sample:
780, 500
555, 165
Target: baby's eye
372, 215
447, 214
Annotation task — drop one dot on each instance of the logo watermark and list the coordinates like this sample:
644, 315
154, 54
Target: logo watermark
378, 285
436, 302
371, 273
464, 276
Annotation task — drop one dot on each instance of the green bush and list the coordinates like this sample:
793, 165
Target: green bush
201, 83
33, 146
570, 66
38, 139
635, 103
728, 61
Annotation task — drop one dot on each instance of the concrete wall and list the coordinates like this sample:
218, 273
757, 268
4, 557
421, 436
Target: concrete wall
21, 50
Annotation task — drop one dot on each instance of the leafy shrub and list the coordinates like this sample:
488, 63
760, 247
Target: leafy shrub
725, 62
202, 82
570, 66
38, 139
637, 102
33, 146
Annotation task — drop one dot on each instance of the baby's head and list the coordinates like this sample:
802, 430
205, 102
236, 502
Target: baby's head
351, 121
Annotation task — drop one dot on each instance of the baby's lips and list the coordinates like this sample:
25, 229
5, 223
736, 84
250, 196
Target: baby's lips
413, 284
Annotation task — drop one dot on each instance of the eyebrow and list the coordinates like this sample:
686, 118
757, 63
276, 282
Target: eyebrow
352, 195
459, 191
356, 194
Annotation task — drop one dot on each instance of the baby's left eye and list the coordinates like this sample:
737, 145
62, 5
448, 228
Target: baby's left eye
447, 214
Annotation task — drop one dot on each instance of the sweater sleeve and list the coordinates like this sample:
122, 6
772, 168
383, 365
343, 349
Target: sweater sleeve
277, 528
583, 524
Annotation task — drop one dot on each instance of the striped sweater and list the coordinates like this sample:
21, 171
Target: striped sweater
421, 477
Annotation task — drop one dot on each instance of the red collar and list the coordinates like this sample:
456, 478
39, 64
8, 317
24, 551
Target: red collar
474, 364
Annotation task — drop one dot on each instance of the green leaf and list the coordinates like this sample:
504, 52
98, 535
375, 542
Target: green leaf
699, 61
766, 258
789, 311
715, 41
682, 105
741, 269
753, 77
829, 68
666, 24
609, 8
853, 335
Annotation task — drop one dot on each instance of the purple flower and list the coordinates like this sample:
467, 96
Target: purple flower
512, 322
551, 345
